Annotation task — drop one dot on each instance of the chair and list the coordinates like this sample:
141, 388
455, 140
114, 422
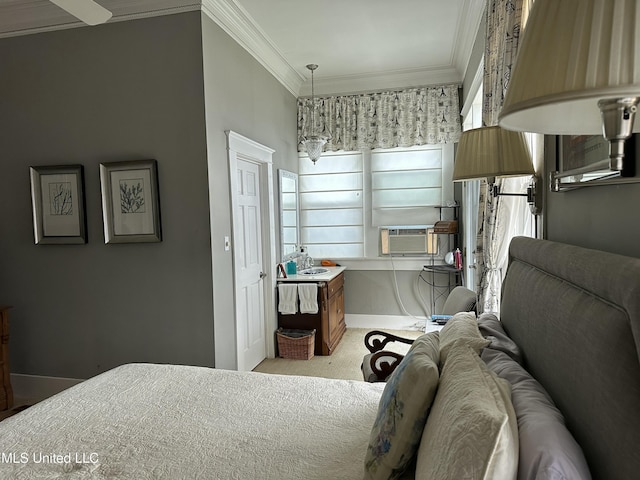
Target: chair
379, 364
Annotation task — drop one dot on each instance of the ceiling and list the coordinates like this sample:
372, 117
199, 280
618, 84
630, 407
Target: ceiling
359, 45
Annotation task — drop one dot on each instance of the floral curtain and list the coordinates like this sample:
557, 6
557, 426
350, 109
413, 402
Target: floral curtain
416, 116
505, 21
504, 24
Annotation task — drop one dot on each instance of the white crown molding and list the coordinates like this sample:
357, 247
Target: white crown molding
468, 24
237, 23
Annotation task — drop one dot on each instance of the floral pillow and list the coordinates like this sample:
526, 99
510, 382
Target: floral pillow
403, 410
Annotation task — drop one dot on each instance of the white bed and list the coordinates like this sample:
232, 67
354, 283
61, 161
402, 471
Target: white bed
142, 421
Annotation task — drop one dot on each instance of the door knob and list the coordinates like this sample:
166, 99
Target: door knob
262, 275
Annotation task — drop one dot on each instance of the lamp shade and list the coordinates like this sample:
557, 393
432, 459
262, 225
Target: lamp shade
492, 152
572, 54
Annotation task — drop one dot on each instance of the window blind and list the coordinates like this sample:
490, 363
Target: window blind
331, 206
405, 186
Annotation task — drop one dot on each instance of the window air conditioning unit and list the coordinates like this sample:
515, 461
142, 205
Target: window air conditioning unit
408, 241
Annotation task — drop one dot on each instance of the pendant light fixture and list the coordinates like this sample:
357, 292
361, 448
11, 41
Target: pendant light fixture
313, 143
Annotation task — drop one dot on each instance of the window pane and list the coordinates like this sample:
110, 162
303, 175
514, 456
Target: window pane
289, 235
405, 216
406, 160
406, 179
346, 216
289, 218
343, 250
330, 200
313, 235
325, 183
288, 185
288, 200
331, 164
288, 248
403, 198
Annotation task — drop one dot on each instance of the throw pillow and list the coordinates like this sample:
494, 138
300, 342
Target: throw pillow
471, 432
403, 410
462, 327
547, 450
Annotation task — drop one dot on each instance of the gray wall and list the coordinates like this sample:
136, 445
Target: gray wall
373, 292
122, 91
240, 95
605, 217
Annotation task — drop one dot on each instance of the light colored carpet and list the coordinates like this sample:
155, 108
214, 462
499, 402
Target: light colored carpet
344, 363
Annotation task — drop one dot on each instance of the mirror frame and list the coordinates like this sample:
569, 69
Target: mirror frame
283, 176
582, 161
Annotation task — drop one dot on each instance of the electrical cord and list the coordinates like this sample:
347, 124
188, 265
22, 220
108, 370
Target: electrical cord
422, 321
423, 300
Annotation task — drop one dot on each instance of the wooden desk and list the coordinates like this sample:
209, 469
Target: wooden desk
6, 393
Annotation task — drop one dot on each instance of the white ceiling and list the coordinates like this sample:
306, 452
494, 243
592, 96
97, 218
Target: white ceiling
359, 45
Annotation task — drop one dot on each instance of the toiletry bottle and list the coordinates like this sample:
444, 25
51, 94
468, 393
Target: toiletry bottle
457, 258
291, 267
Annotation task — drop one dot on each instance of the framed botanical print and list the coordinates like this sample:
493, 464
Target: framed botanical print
57, 197
130, 201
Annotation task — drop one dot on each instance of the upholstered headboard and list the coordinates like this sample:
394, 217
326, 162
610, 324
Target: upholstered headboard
575, 313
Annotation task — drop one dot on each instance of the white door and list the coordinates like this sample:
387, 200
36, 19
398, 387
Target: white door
249, 288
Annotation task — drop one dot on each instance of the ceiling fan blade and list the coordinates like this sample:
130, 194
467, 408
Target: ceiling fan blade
86, 10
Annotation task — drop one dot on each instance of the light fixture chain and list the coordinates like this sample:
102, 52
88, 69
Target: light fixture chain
313, 143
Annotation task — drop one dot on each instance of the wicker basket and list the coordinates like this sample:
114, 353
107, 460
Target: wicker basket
296, 344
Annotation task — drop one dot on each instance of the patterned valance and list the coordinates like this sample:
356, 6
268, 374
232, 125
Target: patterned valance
416, 116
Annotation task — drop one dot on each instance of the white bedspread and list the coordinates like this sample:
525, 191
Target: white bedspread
143, 421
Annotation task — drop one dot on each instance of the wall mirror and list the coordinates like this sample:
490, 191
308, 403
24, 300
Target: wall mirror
288, 211
582, 160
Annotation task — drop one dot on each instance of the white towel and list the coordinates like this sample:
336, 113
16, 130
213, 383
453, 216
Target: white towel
308, 293
288, 298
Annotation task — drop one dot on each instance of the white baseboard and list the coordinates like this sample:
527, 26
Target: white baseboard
389, 322
38, 387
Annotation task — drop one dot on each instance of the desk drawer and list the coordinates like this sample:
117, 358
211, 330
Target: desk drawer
336, 284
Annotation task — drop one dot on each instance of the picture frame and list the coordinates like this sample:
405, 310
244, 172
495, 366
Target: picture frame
57, 198
130, 201
583, 160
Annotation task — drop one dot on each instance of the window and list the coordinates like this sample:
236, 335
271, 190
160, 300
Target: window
404, 185
331, 206
346, 197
